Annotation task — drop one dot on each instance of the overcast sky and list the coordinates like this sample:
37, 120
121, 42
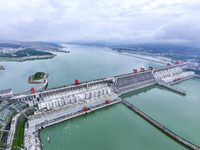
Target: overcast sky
115, 21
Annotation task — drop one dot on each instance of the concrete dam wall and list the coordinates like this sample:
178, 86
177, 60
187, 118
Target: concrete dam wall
172, 74
102, 89
65, 102
133, 82
194, 65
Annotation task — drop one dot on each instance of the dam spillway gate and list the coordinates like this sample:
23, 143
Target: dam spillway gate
65, 102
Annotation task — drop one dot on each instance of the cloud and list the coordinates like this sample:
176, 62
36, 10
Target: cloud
185, 28
126, 21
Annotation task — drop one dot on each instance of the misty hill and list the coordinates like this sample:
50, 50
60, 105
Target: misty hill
9, 45
31, 52
29, 44
168, 48
25, 52
160, 48
49, 44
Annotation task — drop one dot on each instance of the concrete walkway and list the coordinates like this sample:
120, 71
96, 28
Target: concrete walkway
13, 128
12, 131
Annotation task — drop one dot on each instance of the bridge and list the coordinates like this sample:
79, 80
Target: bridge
172, 88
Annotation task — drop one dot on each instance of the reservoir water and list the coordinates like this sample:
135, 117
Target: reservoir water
178, 113
83, 63
114, 127
118, 127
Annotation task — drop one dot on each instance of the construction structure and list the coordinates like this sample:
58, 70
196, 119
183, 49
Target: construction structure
65, 102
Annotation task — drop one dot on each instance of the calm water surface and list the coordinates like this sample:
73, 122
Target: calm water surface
114, 127
83, 62
178, 113
118, 127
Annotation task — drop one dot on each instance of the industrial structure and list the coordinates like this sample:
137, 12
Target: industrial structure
102, 89
65, 102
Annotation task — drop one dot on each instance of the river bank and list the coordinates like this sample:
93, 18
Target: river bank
146, 53
129, 54
165, 58
43, 80
19, 59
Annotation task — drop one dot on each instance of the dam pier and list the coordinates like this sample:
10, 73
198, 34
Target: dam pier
164, 129
172, 88
66, 102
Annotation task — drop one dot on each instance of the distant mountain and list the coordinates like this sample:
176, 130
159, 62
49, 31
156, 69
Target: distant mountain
166, 48
160, 48
25, 52
28, 44
48, 44
9, 45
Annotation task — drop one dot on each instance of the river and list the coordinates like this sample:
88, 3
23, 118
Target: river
83, 63
115, 127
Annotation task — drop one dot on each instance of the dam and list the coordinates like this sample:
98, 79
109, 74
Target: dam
65, 102
102, 89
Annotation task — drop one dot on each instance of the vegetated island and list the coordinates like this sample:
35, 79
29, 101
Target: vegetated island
23, 54
27, 50
58, 50
37, 78
2, 68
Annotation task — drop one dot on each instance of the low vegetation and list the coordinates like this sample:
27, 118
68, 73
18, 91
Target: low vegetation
38, 76
4, 135
5, 55
19, 133
167, 48
30, 52
176, 52
24, 53
0, 141
9, 45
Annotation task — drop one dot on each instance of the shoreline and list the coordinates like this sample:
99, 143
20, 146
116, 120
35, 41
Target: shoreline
129, 54
43, 80
19, 59
146, 53
165, 58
